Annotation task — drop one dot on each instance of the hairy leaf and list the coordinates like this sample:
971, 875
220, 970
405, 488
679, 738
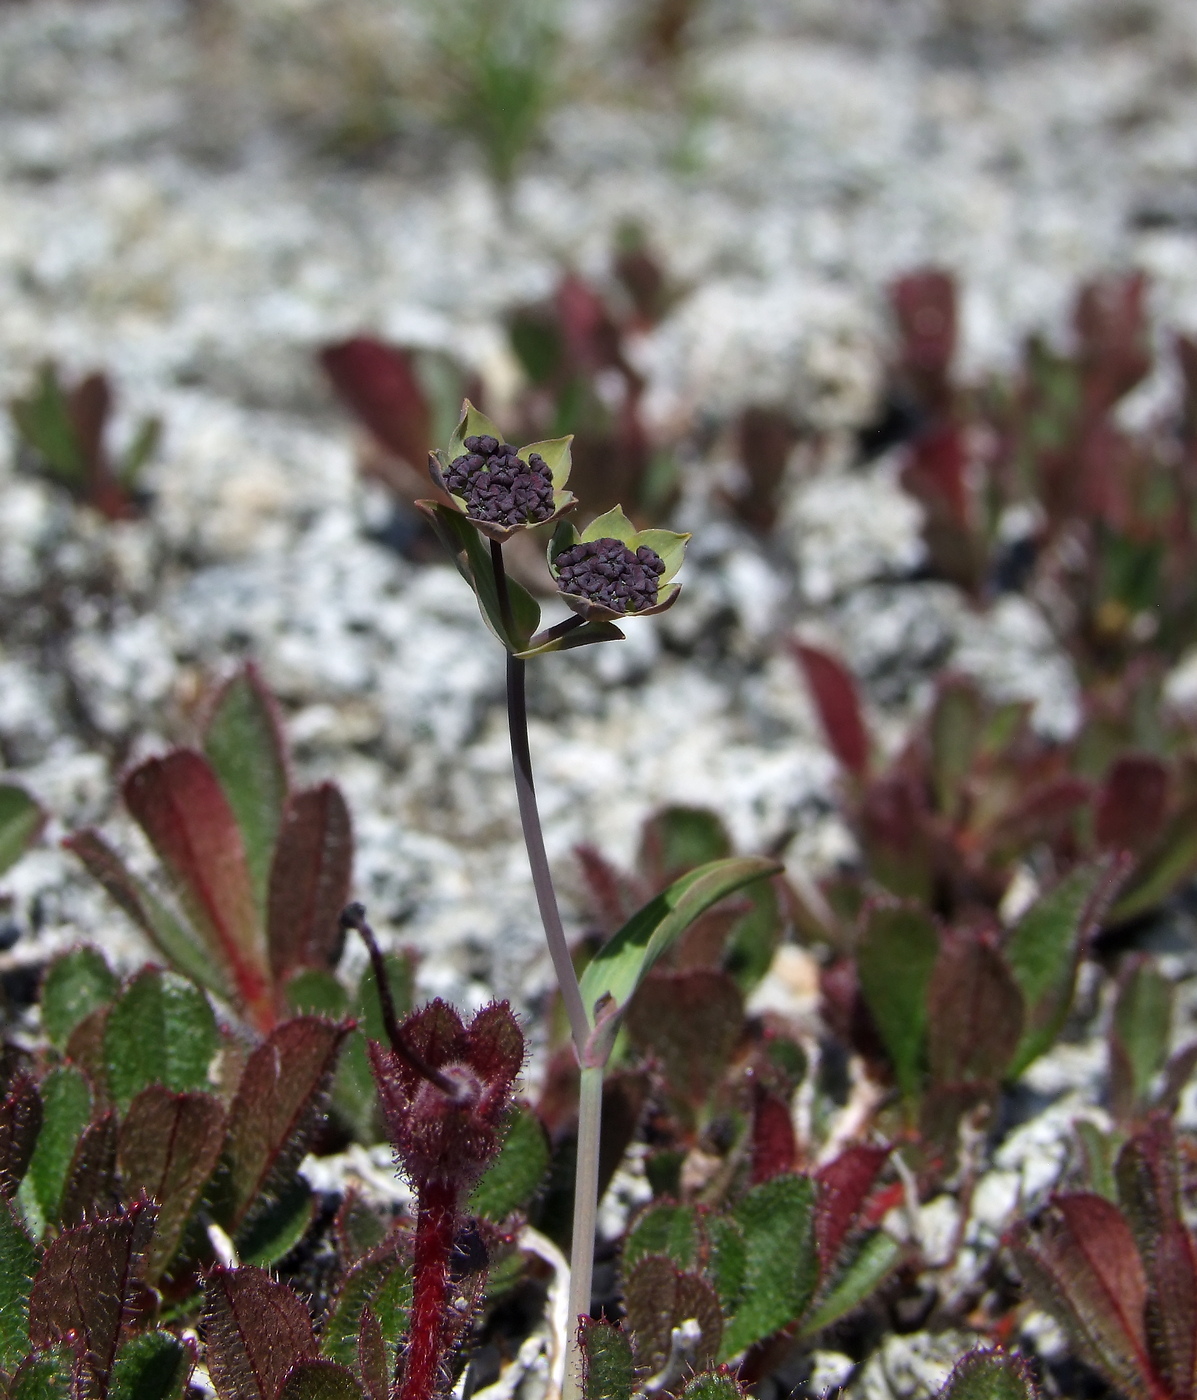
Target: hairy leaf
774, 1143
20, 1125
314, 991
81, 1289
713, 1385
1169, 861
974, 1012
834, 692
845, 1184
278, 1103
274, 1228
606, 1361
244, 744
169, 1146
21, 821
18, 1262
867, 1267
256, 1330
989, 1375
309, 881
380, 1281
781, 1272
1139, 1034
90, 1186
153, 1366
659, 1297
1131, 804
895, 961
320, 1380
728, 1263
66, 1109
75, 985
43, 1376
663, 1228
690, 1022
622, 963
161, 1031
179, 804
515, 1176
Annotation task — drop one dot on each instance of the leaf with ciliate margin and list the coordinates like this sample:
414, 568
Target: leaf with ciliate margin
66, 1110
278, 1104
76, 984
21, 821
1080, 1263
373, 1364
781, 1264
1140, 1031
516, 1174
152, 1366
43, 1376
179, 803
244, 744
1045, 947
314, 991
607, 1367
256, 1330
989, 1375
169, 1146
845, 1184
974, 1012
179, 943
1169, 861
728, 1262
379, 1281
161, 1031
320, 1380
714, 1385
619, 967
18, 1264
80, 1292
657, 1298
837, 701
867, 1268
690, 1022
309, 882
20, 1125
663, 1228
274, 1229
90, 1188
895, 961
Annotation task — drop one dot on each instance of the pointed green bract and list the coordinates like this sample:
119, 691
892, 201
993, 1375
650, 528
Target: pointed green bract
895, 960
77, 983
781, 1261
21, 819
161, 1031
517, 1173
556, 453
622, 963
66, 1107
471, 424
18, 1264
153, 1366
614, 525
244, 745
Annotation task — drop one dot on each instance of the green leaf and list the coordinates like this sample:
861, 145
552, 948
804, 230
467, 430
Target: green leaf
1043, 952
1140, 1033
473, 561
728, 1264
878, 1256
161, 1031
314, 992
355, 1093
663, 1228
18, 1264
713, 1385
618, 968
782, 1265
556, 454
320, 1380
669, 545
43, 1376
274, 1231
989, 1375
21, 820
1099, 1150
154, 1366
754, 937
516, 1174
44, 422
244, 744
76, 984
957, 726
138, 453
614, 525
678, 839
895, 960
66, 1108
606, 1361
380, 1280
1169, 862
472, 424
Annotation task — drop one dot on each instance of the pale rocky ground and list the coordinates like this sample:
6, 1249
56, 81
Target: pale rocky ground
165, 212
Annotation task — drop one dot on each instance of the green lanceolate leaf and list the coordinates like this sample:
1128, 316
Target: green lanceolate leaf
870, 1266
895, 960
44, 422
244, 745
43, 1376
1171, 860
76, 984
1140, 1032
516, 1174
781, 1267
21, 819
320, 1380
1043, 951
728, 1263
606, 1361
957, 725
618, 968
381, 1281
154, 1366
66, 1108
161, 1031
274, 1231
663, 1228
18, 1264
989, 1375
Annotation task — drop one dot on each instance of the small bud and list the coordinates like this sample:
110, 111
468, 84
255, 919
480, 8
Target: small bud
499, 486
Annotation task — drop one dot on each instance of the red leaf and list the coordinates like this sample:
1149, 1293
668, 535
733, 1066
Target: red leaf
279, 1103
90, 1186
936, 473
606, 886
591, 337
1130, 806
378, 382
834, 693
844, 1187
20, 1123
924, 304
309, 882
774, 1146
179, 804
82, 1289
256, 1330
690, 1022
974, 1012
1115, 337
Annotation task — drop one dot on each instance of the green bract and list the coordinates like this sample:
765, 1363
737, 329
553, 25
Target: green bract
615, 525
555, 452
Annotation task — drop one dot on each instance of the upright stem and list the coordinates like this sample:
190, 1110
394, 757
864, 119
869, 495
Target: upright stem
435, 1222
581, 1262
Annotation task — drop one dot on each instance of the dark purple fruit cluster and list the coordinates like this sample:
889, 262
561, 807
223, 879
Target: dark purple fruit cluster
607, 572
498, 486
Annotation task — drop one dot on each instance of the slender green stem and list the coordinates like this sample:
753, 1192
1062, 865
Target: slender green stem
581, 1261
